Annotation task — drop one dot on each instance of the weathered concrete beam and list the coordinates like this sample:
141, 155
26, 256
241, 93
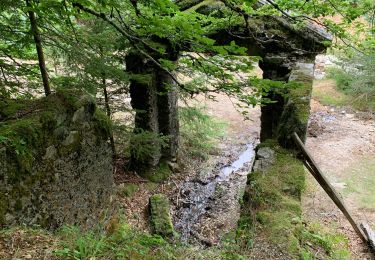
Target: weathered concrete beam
290, 111
168, 115
144, 100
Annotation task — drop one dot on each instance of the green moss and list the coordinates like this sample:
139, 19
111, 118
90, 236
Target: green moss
161, 220
274, 198
103, 123
160, 174
296, 113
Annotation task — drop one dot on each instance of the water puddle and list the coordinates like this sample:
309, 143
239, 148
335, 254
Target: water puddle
244, 158
205, 200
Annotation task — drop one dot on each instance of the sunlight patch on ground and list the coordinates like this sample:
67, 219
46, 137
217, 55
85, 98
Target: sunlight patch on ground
326, 93
361, 182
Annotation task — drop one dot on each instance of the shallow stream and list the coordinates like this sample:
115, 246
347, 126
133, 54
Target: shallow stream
209, 204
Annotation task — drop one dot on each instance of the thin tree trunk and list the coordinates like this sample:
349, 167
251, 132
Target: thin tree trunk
39, 49
2, 71
108, 110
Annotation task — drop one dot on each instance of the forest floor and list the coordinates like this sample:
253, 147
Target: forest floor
190, 185
342, 141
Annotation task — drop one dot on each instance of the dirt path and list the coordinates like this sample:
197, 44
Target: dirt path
343, 145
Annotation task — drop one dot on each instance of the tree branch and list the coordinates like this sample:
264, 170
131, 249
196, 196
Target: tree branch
132, 39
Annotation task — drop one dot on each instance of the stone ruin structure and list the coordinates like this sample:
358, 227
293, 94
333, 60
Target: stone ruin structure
288, 54
56, 162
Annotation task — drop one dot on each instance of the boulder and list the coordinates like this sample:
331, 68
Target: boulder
55, 162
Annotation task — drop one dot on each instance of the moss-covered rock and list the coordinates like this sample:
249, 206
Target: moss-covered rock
161, 221
56, 165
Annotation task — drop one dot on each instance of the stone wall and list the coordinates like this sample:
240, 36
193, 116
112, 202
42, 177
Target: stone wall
56, 162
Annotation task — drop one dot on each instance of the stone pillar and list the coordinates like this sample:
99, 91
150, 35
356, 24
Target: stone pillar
144, 100
296, 111
155, 103
168, 115
274, 68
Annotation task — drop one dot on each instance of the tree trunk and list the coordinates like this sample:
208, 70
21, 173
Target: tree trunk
39, 49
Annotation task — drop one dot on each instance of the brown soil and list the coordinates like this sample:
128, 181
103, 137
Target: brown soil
339, 142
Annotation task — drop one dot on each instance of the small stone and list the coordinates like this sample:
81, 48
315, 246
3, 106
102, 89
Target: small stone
28, 256
79, 115
266, 153
51, 153
9, 218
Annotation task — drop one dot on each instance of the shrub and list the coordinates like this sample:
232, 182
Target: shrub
199, 131
356, 78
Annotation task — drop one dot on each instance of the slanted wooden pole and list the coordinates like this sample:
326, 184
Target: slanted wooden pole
370, 235
329, 189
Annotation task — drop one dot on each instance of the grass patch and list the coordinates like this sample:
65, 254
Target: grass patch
319, 242
326, 93
127, 190
356, 79
361, 181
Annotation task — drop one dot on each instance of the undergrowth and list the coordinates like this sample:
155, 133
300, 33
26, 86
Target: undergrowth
125, 242
356, 79
200, 132
272, 210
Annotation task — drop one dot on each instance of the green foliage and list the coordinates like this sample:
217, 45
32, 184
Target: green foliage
200, 132
356, 79
128, 243
144, 144
124, 242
